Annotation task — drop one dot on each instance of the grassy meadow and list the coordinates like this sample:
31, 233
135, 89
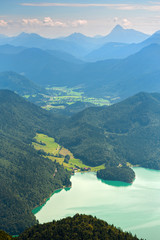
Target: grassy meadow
60, 97
52, 150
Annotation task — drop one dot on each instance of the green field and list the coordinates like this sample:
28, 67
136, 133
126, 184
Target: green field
45, 143
59, 97
57, 153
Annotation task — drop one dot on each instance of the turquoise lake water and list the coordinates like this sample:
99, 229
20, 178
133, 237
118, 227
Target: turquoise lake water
134, 208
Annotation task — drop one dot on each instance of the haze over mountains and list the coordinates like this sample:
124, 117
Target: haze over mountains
18, 83
115, 77
121, 50
76, 44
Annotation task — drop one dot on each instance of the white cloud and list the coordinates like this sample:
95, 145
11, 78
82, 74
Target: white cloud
115, 19
126, 7
3, 23
60, 24
72, 5
126, 22
31, 21
79, 22
47, 21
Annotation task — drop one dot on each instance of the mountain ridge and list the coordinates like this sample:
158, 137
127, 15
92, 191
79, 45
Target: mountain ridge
76, 44
121, 50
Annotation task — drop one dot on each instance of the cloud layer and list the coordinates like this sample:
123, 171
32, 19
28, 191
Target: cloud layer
45, 22
128, 7
3, 23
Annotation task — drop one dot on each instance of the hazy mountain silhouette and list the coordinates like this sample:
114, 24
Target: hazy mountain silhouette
123, 78
122, 35
121, 50
76, 44
18, 83
9, 49
138, 72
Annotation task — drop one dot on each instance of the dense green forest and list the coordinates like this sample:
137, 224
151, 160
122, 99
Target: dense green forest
26, 177
5, 236
79, 227
128, 131
124, 174
124, 132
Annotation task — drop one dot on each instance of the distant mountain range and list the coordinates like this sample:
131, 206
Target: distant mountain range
118, 78
114, 77
42, 67
121, 35
119, 50
9, 49
76, 44
123, 78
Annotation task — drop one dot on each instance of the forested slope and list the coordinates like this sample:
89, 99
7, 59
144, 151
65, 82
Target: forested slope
18, 83
128, 131
79, 227
26, 177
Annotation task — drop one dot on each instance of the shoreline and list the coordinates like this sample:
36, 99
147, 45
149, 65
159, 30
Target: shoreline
46, 199
100, 179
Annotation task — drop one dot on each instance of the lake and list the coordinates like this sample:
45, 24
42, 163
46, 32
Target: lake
134, 208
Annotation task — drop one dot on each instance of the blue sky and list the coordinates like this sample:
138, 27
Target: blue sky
53, 18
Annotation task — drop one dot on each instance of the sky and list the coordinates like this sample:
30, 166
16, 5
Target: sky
57, 18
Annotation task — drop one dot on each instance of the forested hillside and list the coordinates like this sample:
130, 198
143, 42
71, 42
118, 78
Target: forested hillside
5, 236
18, 83
26, 177
79, 227
128, 131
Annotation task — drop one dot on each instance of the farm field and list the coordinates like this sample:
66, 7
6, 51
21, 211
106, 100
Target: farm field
61, 97
52, 150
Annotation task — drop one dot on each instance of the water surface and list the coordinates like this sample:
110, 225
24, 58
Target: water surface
134, 208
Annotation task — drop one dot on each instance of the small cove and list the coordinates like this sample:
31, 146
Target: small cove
134, 208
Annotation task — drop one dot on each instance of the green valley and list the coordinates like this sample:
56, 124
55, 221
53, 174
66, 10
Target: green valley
61, 98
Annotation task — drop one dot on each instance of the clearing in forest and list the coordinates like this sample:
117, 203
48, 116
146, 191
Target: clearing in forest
49, 148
